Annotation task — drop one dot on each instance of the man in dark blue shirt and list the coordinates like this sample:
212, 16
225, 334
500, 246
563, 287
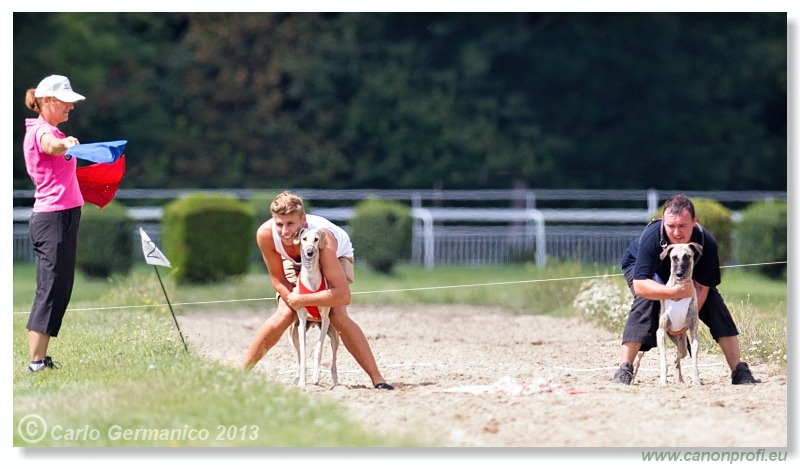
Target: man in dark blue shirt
646, 275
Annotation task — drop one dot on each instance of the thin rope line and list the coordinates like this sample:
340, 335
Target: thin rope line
399, 290
162, 304
751, 265
515, 282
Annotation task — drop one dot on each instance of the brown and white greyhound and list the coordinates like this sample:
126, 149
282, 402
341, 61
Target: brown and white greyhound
678, 314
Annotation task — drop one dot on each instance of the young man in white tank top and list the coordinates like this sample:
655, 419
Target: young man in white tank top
275, 239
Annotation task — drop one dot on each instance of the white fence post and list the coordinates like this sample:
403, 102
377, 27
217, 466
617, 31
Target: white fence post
425, 217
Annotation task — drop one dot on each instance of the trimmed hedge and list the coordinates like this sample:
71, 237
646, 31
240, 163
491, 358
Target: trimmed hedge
718, 220
761, 236
207, 237
381, 232
260, 205
105, 240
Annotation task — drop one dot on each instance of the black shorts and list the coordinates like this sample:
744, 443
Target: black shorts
642, 320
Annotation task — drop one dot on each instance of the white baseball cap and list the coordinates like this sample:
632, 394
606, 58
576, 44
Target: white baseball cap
57, 86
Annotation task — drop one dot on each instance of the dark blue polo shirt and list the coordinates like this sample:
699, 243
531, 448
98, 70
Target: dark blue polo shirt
643, 256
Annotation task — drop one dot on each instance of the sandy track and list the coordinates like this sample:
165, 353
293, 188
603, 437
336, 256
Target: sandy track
424, 351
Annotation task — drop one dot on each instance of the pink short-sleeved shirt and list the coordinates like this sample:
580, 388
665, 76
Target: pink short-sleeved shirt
55, 178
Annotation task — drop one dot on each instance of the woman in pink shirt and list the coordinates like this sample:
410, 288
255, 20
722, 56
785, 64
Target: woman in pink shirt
56, 211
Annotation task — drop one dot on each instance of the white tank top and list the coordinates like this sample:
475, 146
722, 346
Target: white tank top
344, 247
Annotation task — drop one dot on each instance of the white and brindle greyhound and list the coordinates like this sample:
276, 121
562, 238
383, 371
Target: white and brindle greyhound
311, 280
678, 314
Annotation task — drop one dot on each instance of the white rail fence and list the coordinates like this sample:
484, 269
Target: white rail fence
465, 227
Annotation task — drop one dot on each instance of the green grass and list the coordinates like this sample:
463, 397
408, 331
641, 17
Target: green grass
127, 370
758, 306
743, 286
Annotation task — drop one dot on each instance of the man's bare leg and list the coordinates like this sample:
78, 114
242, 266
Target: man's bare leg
356, 343
268, 335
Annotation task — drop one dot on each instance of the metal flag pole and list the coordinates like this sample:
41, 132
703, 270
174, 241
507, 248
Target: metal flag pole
170, 309
154, 257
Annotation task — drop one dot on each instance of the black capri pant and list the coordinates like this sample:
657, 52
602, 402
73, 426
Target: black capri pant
54, 236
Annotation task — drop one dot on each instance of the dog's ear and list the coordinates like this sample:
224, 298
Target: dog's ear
322, 239
665, 252
697, 247
297, 235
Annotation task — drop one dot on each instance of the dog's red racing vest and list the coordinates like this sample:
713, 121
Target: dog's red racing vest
313, 310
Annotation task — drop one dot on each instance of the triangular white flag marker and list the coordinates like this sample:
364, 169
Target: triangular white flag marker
152, 255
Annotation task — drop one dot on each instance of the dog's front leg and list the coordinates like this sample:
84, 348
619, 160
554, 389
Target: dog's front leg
695, 353
299, 339
334, 336
662, 356
323, 332
662, 346
695, 350
293, 333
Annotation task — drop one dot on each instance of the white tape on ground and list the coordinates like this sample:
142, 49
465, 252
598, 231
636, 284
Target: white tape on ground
684, 364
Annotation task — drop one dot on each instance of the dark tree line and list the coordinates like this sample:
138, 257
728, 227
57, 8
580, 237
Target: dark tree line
410, 100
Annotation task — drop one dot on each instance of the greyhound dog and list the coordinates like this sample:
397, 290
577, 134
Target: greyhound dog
311, 280
678, 314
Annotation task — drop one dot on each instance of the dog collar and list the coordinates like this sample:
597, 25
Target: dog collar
663, 240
